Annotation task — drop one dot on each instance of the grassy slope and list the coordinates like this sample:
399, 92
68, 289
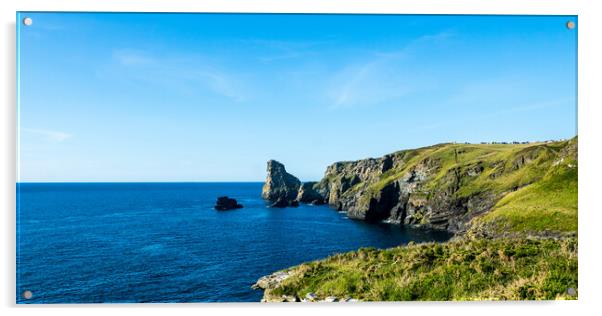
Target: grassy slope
547, 205
449, 156
538, 196
509, 269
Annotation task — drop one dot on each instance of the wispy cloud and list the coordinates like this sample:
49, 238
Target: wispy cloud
381, 76
279, 50
367, 83
181, 72
47, 135
128, 57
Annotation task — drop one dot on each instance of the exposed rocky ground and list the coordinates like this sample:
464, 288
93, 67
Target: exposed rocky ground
274, 281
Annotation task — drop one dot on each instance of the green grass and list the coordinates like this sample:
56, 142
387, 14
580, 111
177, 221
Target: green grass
547, 205
485, 269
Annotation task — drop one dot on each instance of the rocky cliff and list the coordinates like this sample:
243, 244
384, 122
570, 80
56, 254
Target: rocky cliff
443, 186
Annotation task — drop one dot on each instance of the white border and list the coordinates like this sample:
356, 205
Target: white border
590, 87
313, 6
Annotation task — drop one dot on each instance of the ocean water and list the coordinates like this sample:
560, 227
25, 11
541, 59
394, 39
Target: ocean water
163, 242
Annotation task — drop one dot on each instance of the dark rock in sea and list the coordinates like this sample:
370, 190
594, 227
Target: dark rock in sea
225, 203
280, 188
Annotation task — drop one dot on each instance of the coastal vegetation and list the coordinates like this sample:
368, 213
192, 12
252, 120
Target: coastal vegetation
463, 269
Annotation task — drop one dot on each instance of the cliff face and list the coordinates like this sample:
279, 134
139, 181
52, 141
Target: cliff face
443, 186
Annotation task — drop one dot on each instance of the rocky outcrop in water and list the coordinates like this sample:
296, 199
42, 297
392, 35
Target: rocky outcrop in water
225, 203
280, 188
309, 195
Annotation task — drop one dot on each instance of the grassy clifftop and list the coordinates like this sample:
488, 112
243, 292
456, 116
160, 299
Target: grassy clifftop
485, 269
545, 206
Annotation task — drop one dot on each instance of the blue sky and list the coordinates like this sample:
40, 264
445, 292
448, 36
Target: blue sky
212, 97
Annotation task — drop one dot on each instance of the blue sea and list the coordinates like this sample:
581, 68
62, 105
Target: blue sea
164, 242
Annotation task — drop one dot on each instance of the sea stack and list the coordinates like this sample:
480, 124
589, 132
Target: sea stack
281, 188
